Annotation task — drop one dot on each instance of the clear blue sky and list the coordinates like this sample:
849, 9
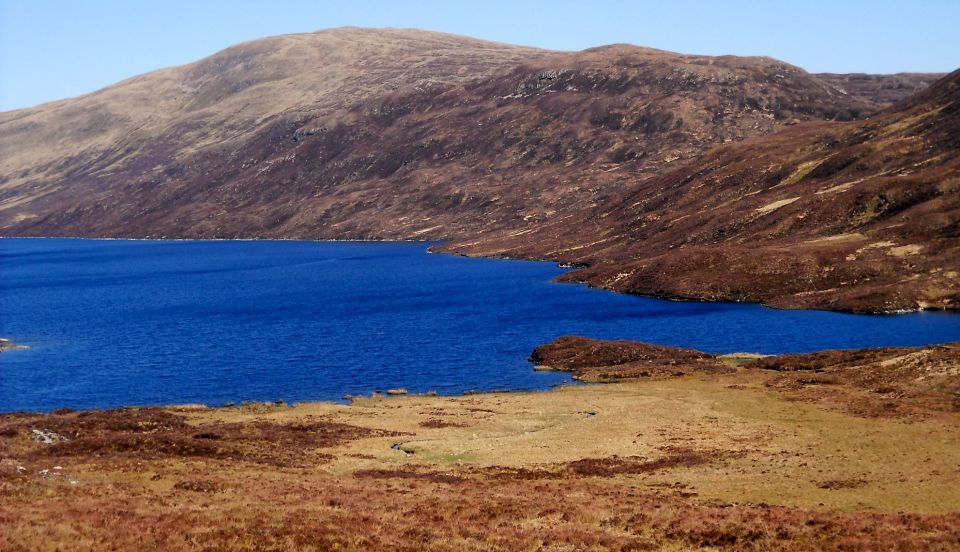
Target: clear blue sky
56, 49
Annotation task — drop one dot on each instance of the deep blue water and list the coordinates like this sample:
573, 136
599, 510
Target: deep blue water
115, 323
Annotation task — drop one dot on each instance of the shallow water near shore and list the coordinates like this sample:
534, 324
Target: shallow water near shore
123, 322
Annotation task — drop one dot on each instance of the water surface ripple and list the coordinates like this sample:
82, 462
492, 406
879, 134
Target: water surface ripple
113, 322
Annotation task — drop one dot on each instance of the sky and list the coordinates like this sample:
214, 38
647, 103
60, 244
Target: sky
56, 49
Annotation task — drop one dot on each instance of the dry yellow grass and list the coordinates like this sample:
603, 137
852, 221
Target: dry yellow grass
709, 460
768, 449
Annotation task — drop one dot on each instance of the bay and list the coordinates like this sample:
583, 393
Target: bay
126, 322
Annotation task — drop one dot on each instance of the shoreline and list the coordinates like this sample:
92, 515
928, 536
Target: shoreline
570, 267
600, 362
710, 455
215, 239
585, 370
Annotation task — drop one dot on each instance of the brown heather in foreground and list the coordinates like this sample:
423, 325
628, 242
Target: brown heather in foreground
398, 512
706, 459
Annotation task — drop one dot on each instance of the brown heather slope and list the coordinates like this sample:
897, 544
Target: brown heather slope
857, 216
98, 147
884, 90
402, 134
355, 133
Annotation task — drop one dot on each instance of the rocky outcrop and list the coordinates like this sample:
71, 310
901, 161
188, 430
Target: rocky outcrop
889, 381
7, 344
604, 360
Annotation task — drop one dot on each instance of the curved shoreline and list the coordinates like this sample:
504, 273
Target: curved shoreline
685, 460
450, 387
574, 270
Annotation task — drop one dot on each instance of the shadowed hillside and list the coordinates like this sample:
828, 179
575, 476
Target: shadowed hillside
859, 216
881, 89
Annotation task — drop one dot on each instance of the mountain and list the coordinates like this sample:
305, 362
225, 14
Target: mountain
98, 151
860, 216
884, 90
383, 133
686, 176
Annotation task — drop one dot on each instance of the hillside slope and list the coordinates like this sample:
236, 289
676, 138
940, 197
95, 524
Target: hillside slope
884, 90
95, 149
858, 216
362, 133
606, 157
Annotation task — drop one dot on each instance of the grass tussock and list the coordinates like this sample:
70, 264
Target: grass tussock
616, 465
437, 423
